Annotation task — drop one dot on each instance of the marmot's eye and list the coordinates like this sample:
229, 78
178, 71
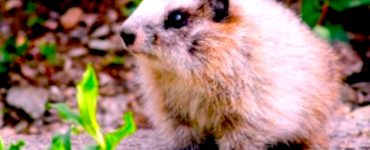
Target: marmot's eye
176, 19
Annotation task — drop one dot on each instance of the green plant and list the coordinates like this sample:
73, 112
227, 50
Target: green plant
10, 50
87, 94
129, 8
17, 146
314, 13
49, 50
2, 146
61, 141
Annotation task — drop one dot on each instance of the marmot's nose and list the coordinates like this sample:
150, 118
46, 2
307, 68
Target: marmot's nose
128, 37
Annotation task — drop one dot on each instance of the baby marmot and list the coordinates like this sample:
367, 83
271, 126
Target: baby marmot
247, 73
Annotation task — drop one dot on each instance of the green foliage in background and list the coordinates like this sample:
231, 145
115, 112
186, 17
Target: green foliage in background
10, 50
16, 146
2, 146
33, 19
49, 51
130, 7
314, 11
61, 141
87, 95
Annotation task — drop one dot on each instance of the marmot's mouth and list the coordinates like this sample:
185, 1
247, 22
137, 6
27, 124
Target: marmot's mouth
141, 53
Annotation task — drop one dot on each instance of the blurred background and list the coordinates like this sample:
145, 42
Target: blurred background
45, 46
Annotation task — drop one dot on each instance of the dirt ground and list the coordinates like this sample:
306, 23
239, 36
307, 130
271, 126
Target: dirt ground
76, 33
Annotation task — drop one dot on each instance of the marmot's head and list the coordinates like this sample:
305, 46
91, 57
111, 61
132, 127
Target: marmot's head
185, 36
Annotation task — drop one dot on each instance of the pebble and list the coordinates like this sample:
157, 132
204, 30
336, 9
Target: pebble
30, 99
101, 31
71, 18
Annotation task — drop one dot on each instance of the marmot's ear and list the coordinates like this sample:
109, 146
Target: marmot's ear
220, 9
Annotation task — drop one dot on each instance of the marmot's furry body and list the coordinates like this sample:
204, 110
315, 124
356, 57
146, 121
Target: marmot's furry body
247, 73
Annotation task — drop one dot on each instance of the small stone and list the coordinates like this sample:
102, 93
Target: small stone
90, 19
101, 31
77, 52
7, 131
105, 79
71, 18
28, 71
51, 24
104, 45
12, 4
112, 15
31, 99
56, 94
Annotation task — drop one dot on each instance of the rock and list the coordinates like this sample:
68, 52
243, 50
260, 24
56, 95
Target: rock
112, 15
28, 71
101, 31
77, 52
105, 79
71, 18
349, 60
31, 99
90, 19
103, 45
51, 24
56, 94
5, 31
12, 4
363, 92
8, 131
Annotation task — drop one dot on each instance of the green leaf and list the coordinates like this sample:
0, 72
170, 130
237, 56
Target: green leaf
340, 5
61, 141
311, 12
31, 7
322, 32
92, 147
337, 33
2, 146
113, 139
67, 114
87, 95
17, 146
49, 50
128, 10
34, 20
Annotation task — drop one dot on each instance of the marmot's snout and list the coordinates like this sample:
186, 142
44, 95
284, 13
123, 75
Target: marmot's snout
128, 37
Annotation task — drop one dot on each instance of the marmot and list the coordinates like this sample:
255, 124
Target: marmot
247, 73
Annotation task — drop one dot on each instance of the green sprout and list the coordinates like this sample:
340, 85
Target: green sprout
17, 146
49, 50
87, 95
61, 141
2, 146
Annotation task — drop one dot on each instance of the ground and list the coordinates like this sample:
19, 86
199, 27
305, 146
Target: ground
48, 45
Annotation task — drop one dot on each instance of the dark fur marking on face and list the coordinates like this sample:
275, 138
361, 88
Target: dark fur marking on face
193, 47
220, 9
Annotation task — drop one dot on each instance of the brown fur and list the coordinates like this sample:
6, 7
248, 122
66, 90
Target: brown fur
235, 81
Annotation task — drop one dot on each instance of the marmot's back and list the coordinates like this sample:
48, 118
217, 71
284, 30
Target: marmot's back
247, 73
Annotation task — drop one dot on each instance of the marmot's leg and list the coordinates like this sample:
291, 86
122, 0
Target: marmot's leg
239, 141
